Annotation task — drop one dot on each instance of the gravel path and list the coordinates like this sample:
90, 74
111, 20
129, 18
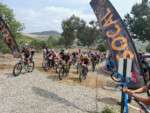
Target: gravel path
38, 93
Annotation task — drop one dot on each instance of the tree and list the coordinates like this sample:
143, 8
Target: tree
70, 28
148, 48
138, 21
52, 41
15, 27
89, 35
102, 47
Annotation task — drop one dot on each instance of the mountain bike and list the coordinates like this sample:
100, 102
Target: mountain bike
97, 61
83, 73
116, 78
23, 63
62, 70
48, 64
79, 64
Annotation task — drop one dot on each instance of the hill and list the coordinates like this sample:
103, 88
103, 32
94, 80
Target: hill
49, 33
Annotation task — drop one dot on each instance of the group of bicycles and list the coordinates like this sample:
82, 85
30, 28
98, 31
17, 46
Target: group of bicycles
61, 68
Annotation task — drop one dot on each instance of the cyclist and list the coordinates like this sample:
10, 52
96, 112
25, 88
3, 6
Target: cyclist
74, 56
61, 53
27, 54
86, 61
140, 90
66, 57
93, 57
54, 56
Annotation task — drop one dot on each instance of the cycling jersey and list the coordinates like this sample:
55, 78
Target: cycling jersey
86, 60
66, 58
61, 53
54, 54
144, 63
26, 53
94, 58
81, 57
44, 52
74, 55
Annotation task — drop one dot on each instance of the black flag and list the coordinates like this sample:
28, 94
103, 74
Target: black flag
118, 39
8, 38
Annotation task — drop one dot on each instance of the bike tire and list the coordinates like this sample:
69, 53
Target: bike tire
116, 78
32, 67
46, 67
61, 73
20, 69
57, 67
81, 75
93, 67
78, 66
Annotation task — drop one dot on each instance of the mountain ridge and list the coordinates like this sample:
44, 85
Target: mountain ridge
49, 33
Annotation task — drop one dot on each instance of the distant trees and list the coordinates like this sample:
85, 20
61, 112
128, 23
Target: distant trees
102, 47
76, 28
138, 21
148, 48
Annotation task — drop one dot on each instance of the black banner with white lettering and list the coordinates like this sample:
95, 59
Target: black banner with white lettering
118, 39
8, 38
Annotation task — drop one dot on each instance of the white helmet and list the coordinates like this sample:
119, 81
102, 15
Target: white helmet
49, 50
26, 44
66, 52
53, 50
94, 54
85, 56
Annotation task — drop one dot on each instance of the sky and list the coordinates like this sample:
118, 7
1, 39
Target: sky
45, 15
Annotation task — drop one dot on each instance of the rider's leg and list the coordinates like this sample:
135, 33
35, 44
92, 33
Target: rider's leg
28, 61
53, 62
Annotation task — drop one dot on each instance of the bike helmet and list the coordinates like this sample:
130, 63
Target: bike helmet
85, 56
49, 50
25, 47
66, 52
62, 50
26, 44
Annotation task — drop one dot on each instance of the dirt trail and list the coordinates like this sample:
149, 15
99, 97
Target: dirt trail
40, 82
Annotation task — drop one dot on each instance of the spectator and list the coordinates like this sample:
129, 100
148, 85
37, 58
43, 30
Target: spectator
140, 90
110, 62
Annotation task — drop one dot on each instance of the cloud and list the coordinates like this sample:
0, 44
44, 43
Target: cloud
49, 18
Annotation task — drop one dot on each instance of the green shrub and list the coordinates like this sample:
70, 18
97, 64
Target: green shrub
108, 110
102, 47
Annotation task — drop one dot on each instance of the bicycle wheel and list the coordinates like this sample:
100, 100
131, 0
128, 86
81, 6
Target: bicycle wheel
46, 67
85, 72
78, 67
17, 69
31, 66
81, 75
93, 66
61, 73
116, 78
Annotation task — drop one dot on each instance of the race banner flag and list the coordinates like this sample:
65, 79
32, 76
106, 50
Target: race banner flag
8, 38
118, 39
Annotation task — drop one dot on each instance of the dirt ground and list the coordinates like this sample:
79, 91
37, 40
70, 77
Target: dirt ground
103, 81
